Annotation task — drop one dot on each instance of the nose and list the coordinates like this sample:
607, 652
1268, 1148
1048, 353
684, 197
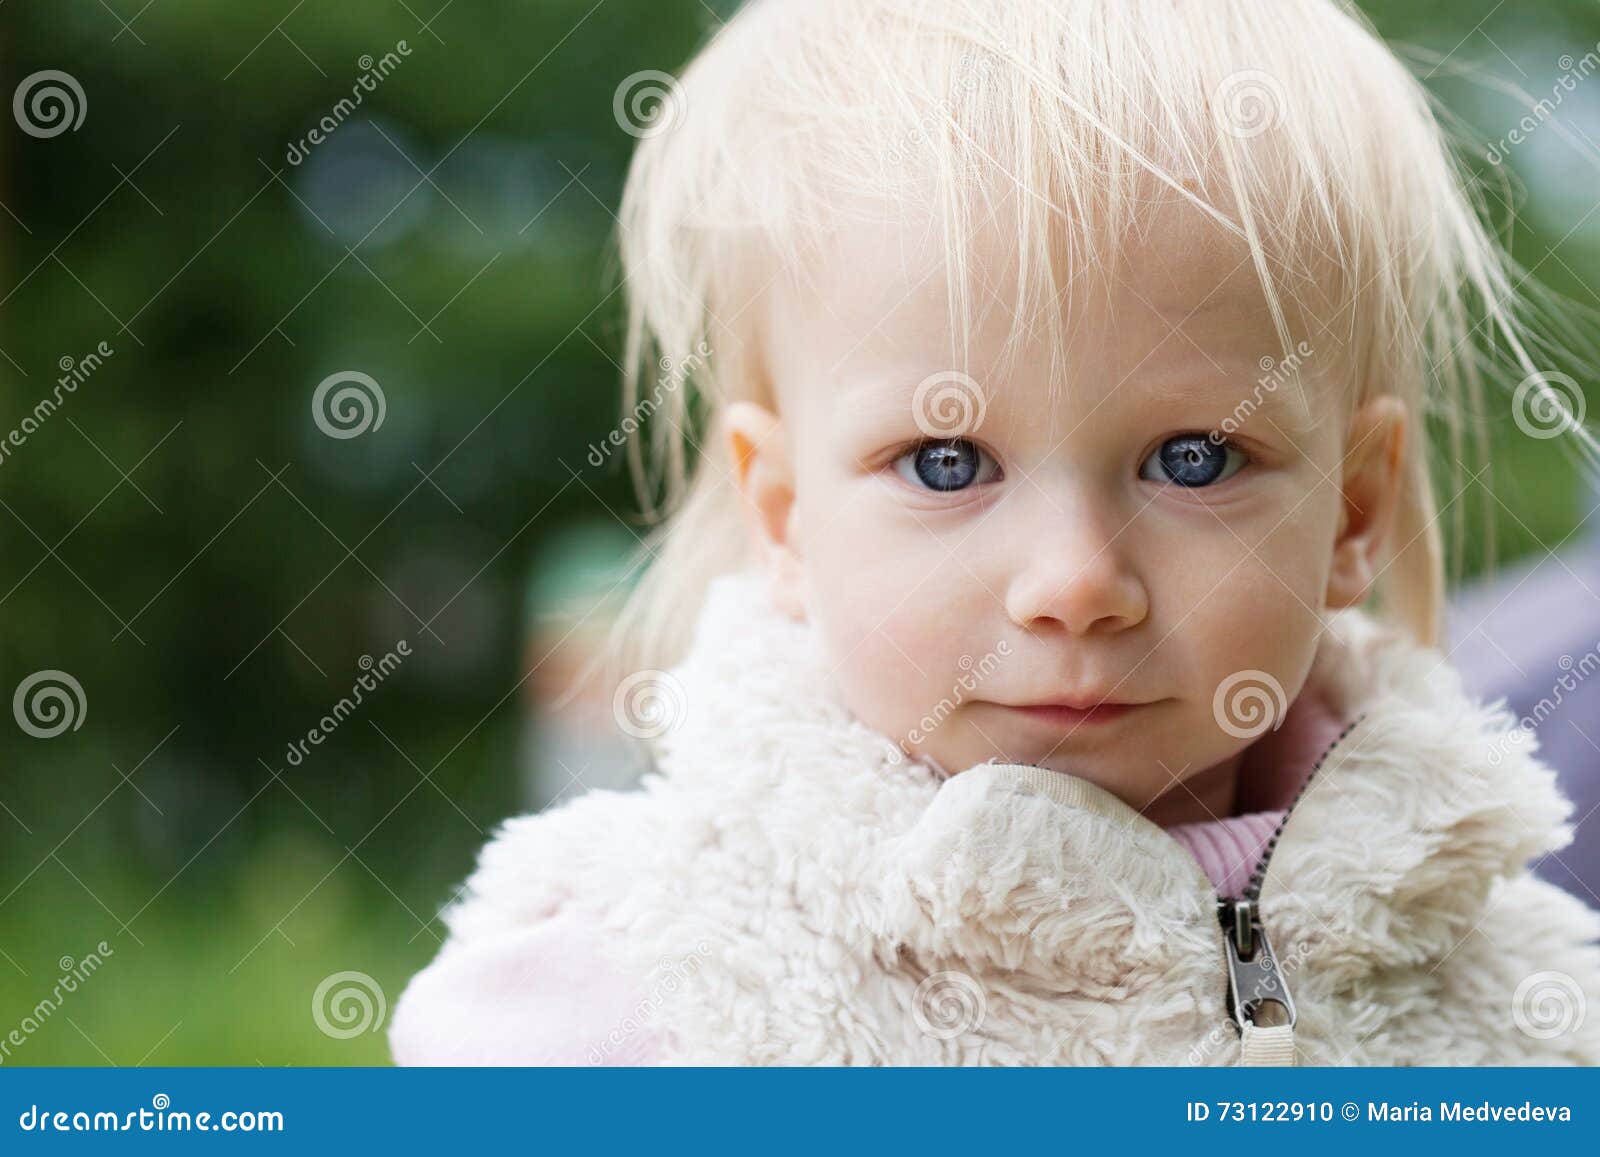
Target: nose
1078, 583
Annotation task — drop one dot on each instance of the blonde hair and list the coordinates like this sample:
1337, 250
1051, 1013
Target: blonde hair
1314, 144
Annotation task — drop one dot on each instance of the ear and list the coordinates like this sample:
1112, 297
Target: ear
1370, 485
764, 476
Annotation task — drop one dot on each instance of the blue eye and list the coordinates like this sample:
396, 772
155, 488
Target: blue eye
953, 464
1192, 460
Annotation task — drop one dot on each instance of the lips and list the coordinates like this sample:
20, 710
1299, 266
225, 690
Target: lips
1073, 715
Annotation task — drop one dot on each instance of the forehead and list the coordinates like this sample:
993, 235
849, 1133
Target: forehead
879, 303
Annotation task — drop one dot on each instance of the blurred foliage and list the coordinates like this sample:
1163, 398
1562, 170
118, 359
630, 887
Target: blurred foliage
450, 239
212, 569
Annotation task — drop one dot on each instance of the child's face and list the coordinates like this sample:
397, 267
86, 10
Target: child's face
1038, 549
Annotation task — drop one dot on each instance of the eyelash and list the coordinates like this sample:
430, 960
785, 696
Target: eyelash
1227, 445
908, 454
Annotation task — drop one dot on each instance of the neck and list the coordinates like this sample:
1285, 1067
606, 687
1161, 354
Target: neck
1199, 798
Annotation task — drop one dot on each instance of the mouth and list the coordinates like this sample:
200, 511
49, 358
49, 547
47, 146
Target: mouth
1077, 713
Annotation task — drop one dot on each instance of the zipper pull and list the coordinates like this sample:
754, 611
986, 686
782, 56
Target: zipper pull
1257, 993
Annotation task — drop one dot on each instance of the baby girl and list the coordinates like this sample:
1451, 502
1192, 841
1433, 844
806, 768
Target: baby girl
1040, 647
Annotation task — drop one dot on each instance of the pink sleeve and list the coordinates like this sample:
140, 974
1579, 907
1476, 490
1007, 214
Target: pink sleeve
545, 995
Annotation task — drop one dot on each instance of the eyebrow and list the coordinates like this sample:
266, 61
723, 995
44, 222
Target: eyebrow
1270, 394
1267, 395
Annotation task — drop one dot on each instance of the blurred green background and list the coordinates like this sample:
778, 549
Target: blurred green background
183, 539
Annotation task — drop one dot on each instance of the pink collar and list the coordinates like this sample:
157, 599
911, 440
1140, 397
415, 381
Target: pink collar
1273, 770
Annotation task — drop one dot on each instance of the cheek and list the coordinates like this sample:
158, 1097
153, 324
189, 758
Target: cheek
1258, 624
1252, 602
889, 609
887, 663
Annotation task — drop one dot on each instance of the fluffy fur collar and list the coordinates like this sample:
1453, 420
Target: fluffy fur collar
840, 903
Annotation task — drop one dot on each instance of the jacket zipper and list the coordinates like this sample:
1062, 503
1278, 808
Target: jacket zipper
1256, 986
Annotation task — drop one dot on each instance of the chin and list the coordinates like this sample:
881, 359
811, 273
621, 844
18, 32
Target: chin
1116, 778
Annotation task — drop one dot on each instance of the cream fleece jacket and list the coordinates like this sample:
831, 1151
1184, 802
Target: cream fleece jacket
788, 889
